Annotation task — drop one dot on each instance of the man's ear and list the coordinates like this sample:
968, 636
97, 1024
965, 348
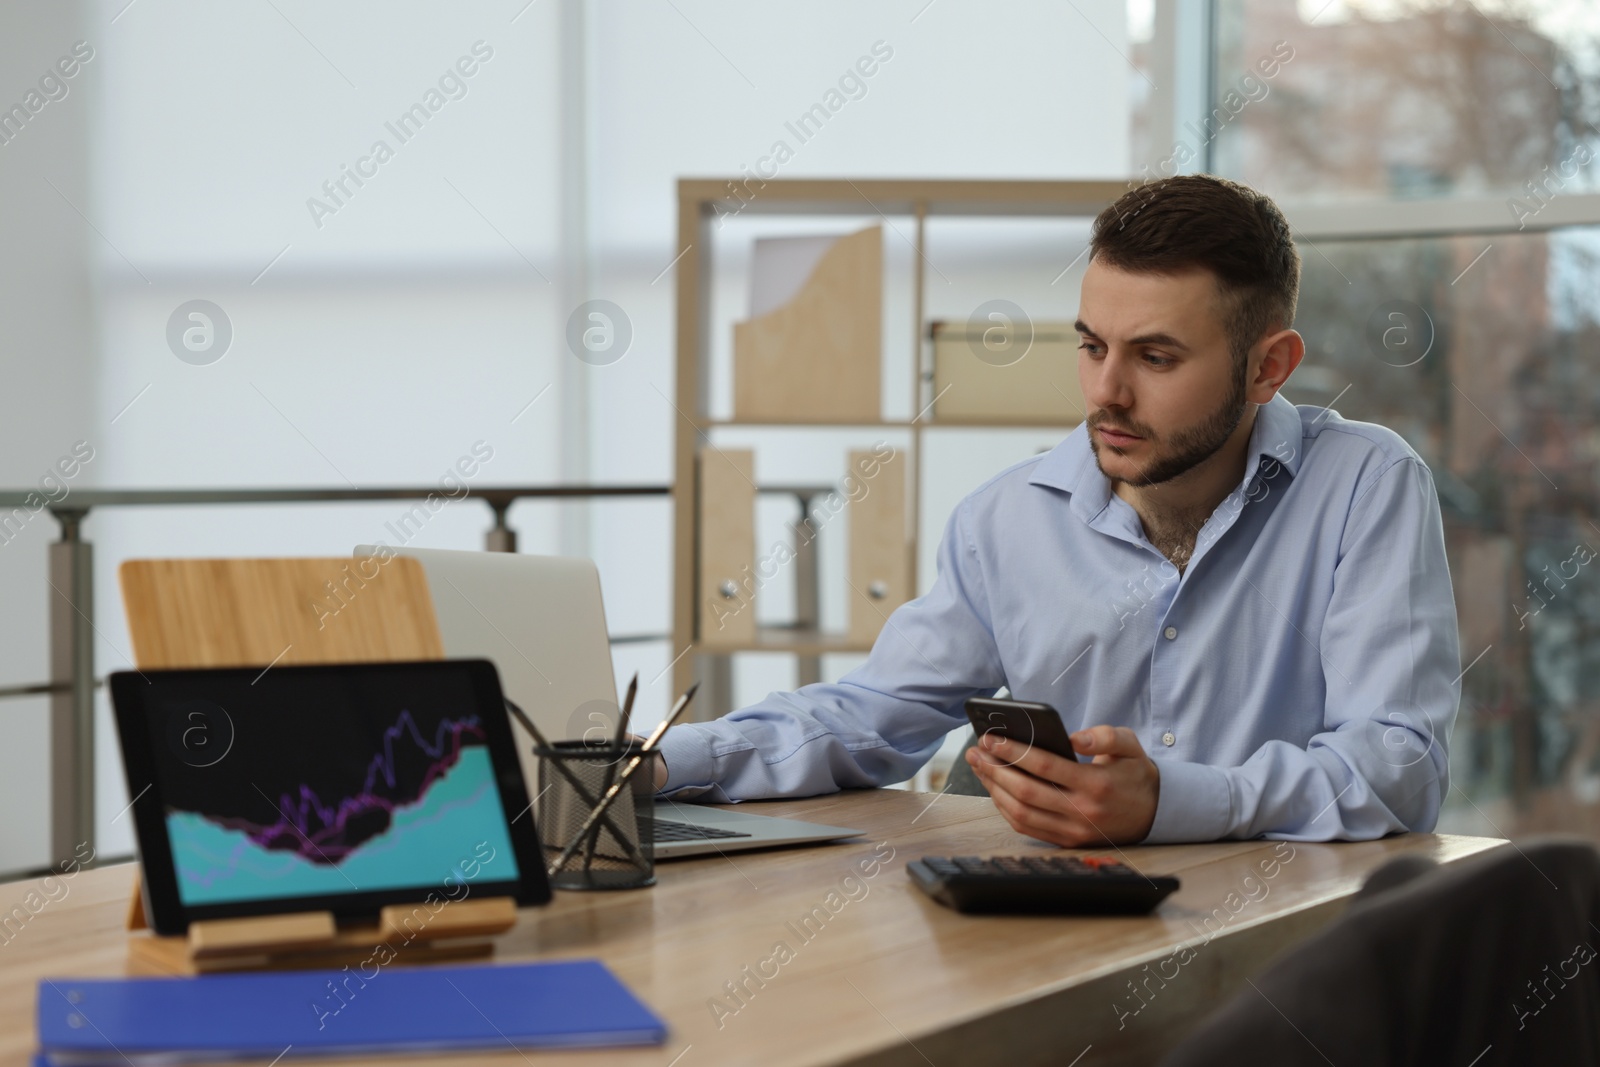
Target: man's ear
1280, 354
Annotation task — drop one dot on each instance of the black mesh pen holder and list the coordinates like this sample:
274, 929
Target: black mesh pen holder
617, 852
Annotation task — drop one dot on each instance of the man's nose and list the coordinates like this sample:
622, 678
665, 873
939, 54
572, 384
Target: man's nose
1106, 384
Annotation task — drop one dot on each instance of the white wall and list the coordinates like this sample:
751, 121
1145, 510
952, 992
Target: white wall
47, 351
1025, 89
425, 313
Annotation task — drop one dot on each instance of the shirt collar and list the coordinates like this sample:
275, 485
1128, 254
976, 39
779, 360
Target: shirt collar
1070, 466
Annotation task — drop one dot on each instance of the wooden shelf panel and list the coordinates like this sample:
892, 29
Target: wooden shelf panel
997, 424
778, 639
813, 424
895, 196
894, 424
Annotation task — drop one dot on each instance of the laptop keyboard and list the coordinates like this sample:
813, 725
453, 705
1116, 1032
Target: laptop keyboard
668, 830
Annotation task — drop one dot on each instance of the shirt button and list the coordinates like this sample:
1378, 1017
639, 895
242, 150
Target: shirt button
1170, 632
1169, 739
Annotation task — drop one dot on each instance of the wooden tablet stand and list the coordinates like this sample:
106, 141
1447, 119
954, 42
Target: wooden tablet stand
404, 934
261, 612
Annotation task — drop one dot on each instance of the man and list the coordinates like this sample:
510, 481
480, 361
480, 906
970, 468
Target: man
1241, 607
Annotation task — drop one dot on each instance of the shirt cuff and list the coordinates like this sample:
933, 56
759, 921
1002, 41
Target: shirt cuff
1194, 805
691, 769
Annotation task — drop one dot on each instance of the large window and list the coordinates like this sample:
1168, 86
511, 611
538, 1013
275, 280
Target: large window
1478, 341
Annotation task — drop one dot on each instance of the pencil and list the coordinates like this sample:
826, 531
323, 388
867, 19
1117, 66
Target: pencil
611, 767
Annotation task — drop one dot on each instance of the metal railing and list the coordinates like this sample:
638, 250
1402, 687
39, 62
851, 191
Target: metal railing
72, 622
72, 628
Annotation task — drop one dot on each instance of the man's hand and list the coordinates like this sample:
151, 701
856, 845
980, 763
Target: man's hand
1111, 800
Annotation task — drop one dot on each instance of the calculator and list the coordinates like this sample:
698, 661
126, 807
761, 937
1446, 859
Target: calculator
1051, 885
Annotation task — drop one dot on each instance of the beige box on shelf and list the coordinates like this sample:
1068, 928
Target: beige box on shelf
727, 545
814, 354
995, 373
880, 553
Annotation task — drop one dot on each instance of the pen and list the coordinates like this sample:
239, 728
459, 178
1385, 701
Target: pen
627, 710
611, 767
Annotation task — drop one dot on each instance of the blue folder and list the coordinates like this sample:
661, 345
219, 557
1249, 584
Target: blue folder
319, 1013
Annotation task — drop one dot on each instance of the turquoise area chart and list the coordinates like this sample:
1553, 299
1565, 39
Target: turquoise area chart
408, 814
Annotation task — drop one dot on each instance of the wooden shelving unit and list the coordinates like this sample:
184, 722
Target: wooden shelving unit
702, 655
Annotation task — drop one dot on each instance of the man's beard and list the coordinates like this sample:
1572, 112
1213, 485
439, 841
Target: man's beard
1188, 448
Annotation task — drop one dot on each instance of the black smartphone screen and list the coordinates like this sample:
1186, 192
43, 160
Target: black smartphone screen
1023, 721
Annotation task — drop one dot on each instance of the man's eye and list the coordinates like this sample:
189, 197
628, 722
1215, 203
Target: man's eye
1157, 361
1089, 347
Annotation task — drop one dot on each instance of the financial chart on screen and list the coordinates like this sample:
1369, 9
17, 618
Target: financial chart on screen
369, 798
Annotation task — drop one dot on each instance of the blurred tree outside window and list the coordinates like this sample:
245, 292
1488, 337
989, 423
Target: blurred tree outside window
1481, 349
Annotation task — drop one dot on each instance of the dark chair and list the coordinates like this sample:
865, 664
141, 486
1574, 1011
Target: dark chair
961, 780
1489, 961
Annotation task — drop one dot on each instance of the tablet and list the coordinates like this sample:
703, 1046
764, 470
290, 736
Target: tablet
342, 787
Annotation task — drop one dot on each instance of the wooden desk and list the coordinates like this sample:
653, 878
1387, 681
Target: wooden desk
885, 976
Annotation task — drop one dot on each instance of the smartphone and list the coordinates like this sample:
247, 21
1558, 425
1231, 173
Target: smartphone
1038, 725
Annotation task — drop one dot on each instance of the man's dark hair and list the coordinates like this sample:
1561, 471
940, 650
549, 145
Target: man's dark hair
1196, 220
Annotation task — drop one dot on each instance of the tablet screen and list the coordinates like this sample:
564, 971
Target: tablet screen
300, 784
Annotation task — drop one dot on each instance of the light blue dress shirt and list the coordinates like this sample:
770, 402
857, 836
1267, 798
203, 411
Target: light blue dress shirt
1298, 680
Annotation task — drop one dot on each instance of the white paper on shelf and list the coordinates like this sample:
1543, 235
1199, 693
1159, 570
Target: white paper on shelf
779, 266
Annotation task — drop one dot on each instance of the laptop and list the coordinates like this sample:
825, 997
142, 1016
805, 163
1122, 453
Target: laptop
542, 621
